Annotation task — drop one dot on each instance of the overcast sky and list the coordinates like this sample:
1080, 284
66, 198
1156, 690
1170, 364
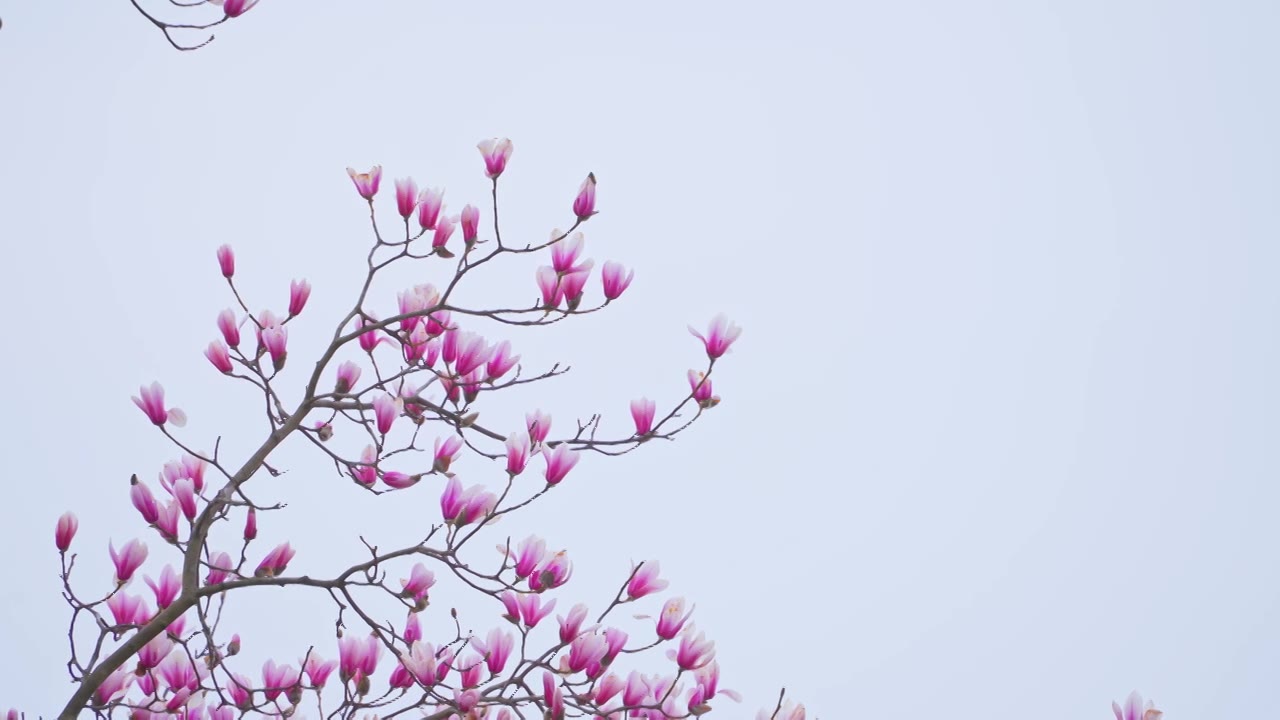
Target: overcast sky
999, 436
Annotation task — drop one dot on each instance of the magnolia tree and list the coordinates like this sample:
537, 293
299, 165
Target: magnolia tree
368, 404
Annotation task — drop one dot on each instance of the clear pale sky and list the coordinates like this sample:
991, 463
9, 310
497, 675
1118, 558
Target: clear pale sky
999, 436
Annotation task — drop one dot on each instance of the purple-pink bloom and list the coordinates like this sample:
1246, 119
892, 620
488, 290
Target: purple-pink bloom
385, 410
275, 561
406, 196
167, 588
501, 361
219, 565
695, 650
553, 573
470, 220
584, 205
65, 531
642, 412
317, 669
539, 424
517, 453
236, 8
128, 559
276, 340
720, 335
565, 252
645, 581
251, 524
299, 291
348, 376
143, 500
571, 626
229, 328
227, 261
152, 403
559, 462
430, 203
1133, 709
446, 451
529, 554
496, 152
367, 182
672, 618
549, 286
219, 356
616, 279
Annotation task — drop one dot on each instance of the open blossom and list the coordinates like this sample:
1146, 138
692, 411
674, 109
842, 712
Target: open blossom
571, 626
470, 220
719, 336
275, 561
695, 650
219, 356
128, 609
446, 451
585, 653
318, 669
672, 618
277, 679
529, 555
496, 648
463, 507
700, 384
367, 182
348, 376
219, 565
419, 582
584, 205
227, 261
539, 424
366, 473
616, 279
299, 291
472, 351
358, 656
559, 462
167, 588
406, 196
444, 230
368, 340
553, 573
517, 453
553, 696
128, 559
151, 402
496, 152
526, 607
113, 687
573, 283
565, 252
642, 412
501, 360
645, 581
276, 339
65, 531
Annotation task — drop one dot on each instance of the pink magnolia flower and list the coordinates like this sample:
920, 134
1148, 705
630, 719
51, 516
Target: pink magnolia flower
128, 560
471, 669
719, 336
239, 689
528, 608
529, 555
496, 648
584, 205
251, 524
227, 261
609, 686
277, 679
695, 650
385, 410
358, 656
446, 452
219, 565
128, 609
559, 462
549, 286
178, 673
708, 679
348, 376
397, 480
495, 152
637, 689
367, 472
154, 652
517, 453
275, 561
184, 492
616, 279
700, 385
430, 203
167, 589
1133, 709
367, 182
539, 424
615, 640
65, 531
143, 500
672, 618
444, 230
565, 252
113, 687
318, 670
554, 572
406, 197
472, 352
501, 360
586, 651
419, 582
236, 8
642, 412
645, 581
573, 284
229, 328
219, 356
299, 291
276, 340
152, 403
167, 520
553, 696
571, 626
401, 678
368, 340
470, 219
412, 628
